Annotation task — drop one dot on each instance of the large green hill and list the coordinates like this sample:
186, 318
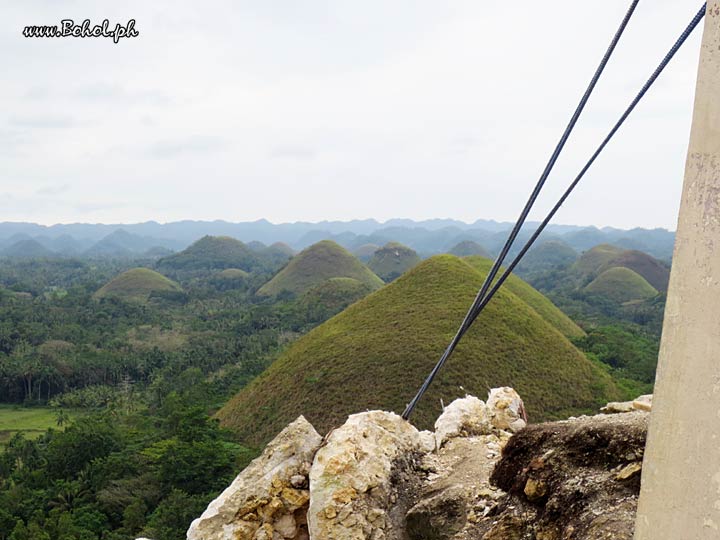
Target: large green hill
621, 285
392, 260
467, 248
136, 284
316, 264
590, 262
549, 254
654, 272
536, 300
365, 252
377, 352
212, 253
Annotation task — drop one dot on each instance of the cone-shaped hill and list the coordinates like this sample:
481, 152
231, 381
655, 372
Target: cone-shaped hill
535, 299
136, 284
212, 253
316, 264
392, 260
365, 252
654, 272
590, 262
549, 254
621, 285
467, 248
28, 248
377, 352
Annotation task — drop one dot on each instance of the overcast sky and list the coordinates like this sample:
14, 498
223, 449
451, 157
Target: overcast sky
336, 109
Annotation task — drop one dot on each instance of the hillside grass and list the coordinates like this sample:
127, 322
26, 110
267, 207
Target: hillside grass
535, 299
376, 353
621, 285
136, 284
315, 265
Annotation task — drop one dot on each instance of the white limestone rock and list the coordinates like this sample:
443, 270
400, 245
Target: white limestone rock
506, 409
267, 500
357, 479
463, 417
643, 403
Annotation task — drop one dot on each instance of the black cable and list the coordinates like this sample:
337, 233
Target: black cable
526, 210
477, 307
681, 40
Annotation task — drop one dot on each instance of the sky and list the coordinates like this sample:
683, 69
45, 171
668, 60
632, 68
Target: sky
337, 109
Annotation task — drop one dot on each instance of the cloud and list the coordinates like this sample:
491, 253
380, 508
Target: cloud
42, 121
52, 190
115, 93
292, 152
194, 145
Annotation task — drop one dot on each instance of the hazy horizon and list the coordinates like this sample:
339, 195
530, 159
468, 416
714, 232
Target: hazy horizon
321, 221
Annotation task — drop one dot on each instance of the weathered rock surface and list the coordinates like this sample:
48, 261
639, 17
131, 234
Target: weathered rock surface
463, 417
482, 475
361, 479
642, 403
576, 479
269, 499
506, 409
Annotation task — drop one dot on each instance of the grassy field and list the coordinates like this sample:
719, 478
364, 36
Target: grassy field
31, 421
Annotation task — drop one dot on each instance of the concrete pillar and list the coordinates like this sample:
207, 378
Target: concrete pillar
680, 494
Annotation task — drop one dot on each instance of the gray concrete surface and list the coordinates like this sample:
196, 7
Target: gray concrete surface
680, 494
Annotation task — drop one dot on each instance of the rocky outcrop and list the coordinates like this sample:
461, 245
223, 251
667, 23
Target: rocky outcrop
269, 499
361, 478
577, 479
643, 403
482, 475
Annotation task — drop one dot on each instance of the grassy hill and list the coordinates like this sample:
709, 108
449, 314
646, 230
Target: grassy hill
377, 352
621, 285
590, 262
212, 253
392, 260
136, 284
28, 248
549, 254
316, 264
365, 252
468, 248
536, 300
654, 272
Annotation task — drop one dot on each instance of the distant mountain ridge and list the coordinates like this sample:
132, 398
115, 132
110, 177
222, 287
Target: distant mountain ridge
427, 237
